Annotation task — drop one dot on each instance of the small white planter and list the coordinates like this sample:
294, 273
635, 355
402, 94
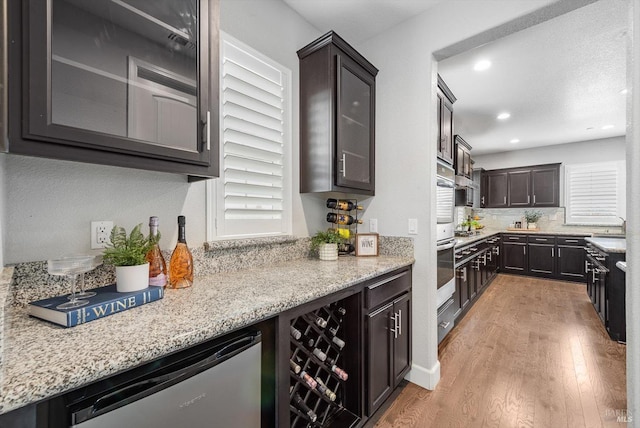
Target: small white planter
532, 225
132, 278
328, 251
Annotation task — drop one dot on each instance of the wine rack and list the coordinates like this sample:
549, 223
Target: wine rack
345, 230
317, 379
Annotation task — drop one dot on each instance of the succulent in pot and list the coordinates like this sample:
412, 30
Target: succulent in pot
532, 218
128, 255
326, 244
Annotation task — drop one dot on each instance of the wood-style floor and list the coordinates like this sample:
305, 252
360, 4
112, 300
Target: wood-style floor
530, 353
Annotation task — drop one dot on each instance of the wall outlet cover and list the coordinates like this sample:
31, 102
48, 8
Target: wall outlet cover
100, 231
373, 225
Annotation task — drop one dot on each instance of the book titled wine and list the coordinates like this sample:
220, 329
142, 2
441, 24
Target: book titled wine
106, 302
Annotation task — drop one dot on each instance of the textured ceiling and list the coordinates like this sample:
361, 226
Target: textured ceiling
560, 80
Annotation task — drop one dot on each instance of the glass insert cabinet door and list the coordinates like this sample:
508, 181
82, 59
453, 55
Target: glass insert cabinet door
355, 129
129, 76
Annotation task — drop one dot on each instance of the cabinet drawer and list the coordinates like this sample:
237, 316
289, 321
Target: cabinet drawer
538, 239
386, 289
446, 318
577, 241
514, 238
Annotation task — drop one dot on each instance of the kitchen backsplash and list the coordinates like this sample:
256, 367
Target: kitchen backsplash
30, 281
552, 219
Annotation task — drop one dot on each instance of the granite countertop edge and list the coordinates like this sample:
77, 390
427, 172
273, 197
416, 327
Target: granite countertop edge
35, 359
610, 245
486, 233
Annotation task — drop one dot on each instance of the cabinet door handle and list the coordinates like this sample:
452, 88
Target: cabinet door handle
524, 249
400, 322
534, 199
208, 130
558, 252
464, 275
528, 199
395, 325
552, 253
505, 200
444, 324
344, 164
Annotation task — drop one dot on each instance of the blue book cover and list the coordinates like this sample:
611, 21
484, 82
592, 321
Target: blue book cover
106, 302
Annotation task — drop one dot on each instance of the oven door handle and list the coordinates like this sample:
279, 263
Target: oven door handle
446, 246
446, 183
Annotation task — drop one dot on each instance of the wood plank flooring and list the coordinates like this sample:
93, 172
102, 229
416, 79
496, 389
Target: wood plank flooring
530, 353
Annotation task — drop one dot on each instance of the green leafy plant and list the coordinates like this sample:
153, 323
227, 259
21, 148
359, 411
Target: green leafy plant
131, 250
328, 237
532, 216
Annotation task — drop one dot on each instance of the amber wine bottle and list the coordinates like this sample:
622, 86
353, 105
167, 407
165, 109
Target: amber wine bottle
342, 219
157, 265
342, 204
181, 264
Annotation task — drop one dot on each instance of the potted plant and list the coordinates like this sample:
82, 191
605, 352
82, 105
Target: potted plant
326, 243
532, 218
128, 255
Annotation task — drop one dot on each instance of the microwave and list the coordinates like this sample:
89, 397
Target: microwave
464, 196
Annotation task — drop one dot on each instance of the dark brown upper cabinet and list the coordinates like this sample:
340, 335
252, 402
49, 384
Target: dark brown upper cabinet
446, 99
130, 84
463, 162
532, 186
337, 118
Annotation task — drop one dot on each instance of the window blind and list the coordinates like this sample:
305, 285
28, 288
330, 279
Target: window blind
595, 193
252, 191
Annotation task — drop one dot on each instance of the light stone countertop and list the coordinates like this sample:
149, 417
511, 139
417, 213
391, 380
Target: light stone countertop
485, 233
40, 359
610, 245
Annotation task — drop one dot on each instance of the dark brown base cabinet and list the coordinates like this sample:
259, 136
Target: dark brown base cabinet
546, 256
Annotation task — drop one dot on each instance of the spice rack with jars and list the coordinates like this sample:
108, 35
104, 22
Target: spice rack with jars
318, 380
344, 216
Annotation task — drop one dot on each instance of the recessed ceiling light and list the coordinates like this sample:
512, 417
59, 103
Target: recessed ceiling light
503, 116
624, 91
590, 128
482, 65
607, 127
514, 141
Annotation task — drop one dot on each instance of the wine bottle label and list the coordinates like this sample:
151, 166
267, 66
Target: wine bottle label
308, 380
159, 280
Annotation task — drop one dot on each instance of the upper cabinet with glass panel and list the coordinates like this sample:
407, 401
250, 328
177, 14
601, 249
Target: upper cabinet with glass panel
121, 82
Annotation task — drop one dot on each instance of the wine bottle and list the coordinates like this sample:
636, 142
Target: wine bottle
308, 380
338, 342
342, 219
299, 402
342, 204
342, 311
181, 265
295, 333
157, 265
311, 345
339, 372
322, 387
318, 320
295, 367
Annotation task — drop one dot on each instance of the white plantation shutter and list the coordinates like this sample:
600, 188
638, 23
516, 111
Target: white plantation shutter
253, 188
595, 193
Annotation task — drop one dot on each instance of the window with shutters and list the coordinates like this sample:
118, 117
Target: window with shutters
595, 193
253, 193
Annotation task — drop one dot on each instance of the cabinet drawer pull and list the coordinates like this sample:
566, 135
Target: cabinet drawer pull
541, 239
444, 324
571, 241
514, 237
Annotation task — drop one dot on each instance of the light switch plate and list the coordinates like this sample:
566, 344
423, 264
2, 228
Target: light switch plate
413, 226
373, 225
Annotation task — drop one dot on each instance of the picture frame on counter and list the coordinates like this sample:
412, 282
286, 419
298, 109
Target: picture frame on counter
367, 244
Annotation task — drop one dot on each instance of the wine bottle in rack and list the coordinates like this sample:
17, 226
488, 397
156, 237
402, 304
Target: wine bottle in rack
295, 367
342, 205
307, 379
338, 342
322, 387
339, 372
344, 219
317, 320
311, 345
295, 333
300, 404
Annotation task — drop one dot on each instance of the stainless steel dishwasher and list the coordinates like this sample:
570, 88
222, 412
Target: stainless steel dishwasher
215, 386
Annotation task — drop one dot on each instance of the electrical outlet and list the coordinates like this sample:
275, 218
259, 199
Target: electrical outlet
100, 231
373, 225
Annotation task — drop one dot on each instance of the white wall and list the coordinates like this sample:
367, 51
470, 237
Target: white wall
405, 143
3, 205
607, 149
50, 204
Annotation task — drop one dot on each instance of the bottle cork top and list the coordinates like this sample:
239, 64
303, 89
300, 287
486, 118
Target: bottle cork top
181, 220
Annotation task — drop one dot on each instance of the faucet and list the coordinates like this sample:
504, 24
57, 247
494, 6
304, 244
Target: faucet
624, 225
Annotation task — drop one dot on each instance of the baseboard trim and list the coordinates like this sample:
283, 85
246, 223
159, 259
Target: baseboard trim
426, 378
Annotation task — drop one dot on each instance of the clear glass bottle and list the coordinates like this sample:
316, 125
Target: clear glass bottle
181, 264
157, 265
